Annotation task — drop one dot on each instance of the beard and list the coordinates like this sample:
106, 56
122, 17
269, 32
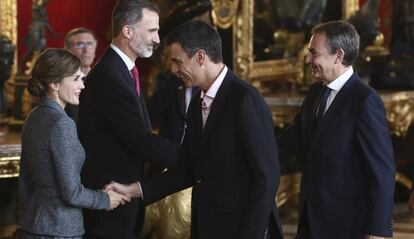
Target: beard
146, 50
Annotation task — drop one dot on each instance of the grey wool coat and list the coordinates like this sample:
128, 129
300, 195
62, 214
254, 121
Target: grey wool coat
50, 190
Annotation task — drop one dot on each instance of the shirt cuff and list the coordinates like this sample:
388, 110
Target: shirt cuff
140, 190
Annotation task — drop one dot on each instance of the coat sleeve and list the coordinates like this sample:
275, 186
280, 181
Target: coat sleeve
127, 123
25, 184
176, 178
290, 142
171, 181
377, 153
160, 102
260, 149
64, 151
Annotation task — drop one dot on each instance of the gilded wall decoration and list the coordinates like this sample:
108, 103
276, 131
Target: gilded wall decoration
224, 12
8, 28
244, 60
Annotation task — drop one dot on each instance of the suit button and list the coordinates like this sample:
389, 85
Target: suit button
198, 180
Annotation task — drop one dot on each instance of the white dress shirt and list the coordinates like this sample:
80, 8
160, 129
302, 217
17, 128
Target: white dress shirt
337, 85
128, 62
208, 97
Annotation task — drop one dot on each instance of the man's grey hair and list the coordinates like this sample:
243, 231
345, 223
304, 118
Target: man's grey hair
76, 31
129, 12
340, 35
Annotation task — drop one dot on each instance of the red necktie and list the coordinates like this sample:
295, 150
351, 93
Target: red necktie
135, 75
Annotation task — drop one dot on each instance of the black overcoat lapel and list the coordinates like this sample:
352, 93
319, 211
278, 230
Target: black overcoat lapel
218, 106
343, 96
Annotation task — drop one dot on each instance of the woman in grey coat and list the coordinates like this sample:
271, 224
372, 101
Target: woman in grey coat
50, 191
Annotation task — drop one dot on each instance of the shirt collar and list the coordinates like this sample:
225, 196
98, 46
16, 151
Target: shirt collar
337, 84
212, 91
129, 63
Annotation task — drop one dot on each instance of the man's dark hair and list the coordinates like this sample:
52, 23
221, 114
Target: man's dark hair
340, 35
76, 31
129, 12
195, 35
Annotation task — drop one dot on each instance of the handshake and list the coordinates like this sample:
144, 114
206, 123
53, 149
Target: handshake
119, 194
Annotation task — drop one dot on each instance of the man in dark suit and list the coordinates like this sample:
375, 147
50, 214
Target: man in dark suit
168, 106
82, 42
342, 135
114, 126
229, 152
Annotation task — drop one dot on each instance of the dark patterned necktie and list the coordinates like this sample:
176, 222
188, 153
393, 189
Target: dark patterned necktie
322, 103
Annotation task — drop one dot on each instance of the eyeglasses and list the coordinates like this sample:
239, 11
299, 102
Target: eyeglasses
84, 45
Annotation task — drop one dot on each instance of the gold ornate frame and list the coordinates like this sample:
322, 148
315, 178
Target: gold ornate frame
243, 60
8, 19
8, 28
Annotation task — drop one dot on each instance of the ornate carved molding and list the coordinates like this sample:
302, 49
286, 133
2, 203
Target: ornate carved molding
400, 111
349, 7
243, 60
8, 27
224, 12
242, 40
8, 19
10, 160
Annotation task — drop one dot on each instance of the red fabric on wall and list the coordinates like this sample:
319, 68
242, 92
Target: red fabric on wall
64, 15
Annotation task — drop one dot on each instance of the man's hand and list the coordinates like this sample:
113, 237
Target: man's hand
132, 190
411, 203
116, 199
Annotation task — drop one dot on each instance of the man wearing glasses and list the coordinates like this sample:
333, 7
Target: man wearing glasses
82, 42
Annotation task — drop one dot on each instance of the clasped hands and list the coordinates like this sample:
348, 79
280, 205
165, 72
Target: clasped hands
119, 194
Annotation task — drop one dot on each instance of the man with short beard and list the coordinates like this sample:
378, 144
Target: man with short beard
114, 126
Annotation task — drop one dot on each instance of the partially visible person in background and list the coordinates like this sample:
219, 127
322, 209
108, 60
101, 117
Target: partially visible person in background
50, 190
402, 41
168, 105
82, 42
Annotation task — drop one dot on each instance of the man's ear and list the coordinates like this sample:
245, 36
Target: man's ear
201, 57
127, 31
340, 54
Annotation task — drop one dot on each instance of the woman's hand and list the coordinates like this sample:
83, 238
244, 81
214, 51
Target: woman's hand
116, 199
132, 190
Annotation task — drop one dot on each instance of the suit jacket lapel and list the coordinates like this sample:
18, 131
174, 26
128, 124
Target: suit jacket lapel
144, 112
126, 74
309, 112
337, 104
181, 94
194, 120
217, 107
